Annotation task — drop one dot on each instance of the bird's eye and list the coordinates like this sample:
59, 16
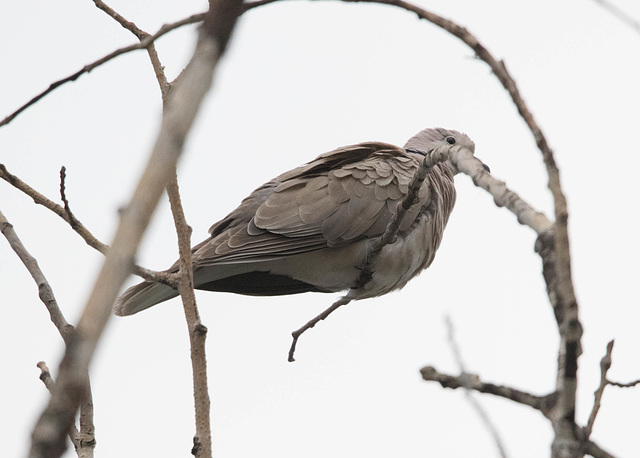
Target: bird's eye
450, 140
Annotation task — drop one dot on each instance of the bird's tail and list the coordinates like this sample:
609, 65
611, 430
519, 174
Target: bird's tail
142, 296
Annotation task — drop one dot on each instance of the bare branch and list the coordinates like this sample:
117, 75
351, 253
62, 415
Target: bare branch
54, 207
44, 288
144, 43
473, 382
73, 221
197, 331
130, 26
45, 376
311, 323
595, 451
179, 114
625, 385
425, 168
502, 195
141, 35
605, 364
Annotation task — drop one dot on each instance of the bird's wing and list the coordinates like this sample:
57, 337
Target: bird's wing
340, 197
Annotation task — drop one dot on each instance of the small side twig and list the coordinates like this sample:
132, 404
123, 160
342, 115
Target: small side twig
605, 365
625, 385
73, 221
425, 168
45, 376
311, 323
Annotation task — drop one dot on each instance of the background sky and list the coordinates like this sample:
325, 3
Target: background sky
300, 79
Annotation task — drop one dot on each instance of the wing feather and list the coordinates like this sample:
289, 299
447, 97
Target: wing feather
341, 196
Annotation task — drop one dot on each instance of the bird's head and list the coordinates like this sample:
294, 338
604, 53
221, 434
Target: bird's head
452, 141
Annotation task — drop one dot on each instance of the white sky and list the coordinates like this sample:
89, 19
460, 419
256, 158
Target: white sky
301, 79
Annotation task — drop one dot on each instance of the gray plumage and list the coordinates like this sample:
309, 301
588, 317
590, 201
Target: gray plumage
310, 228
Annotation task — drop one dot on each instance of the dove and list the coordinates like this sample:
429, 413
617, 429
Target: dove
311, 228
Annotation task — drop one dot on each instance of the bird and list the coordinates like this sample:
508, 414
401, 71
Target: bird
311, 229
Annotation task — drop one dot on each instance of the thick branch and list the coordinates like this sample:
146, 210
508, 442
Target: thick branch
182, 107
468, 164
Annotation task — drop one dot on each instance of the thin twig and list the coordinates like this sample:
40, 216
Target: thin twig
484, 416
605, 365
54, 207
144, 43
625, 385
197, 331
158, 69
311, 323
73, 221
425, 168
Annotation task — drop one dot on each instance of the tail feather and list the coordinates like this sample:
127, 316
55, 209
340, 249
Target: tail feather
142, 296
